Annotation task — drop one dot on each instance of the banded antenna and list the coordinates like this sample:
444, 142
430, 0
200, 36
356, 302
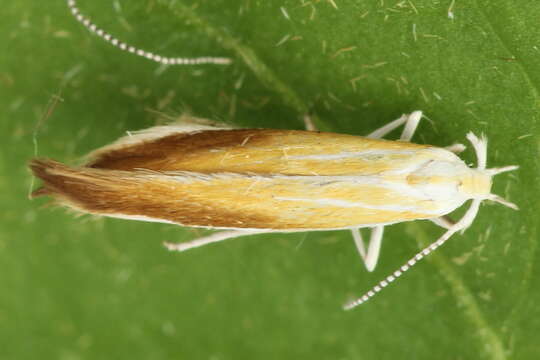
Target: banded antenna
123, 46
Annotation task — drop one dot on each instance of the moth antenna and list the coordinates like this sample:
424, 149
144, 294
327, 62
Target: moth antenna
383, 283
123, 46
463, 223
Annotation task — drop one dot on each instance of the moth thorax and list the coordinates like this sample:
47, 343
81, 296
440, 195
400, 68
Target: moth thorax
440, 180
476, 184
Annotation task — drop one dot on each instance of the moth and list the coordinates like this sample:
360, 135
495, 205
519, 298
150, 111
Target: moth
253, 181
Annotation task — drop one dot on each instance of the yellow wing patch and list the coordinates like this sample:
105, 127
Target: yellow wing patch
290, 152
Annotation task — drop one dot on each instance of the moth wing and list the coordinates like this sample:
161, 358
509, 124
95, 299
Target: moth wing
186, 124
258, 151
216, 201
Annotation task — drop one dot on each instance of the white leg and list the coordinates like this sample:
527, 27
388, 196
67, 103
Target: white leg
374, 247
382, 131
371, 256
411, 122
219, 236
410, 126
359, 243
308, 123
443, 221
456, 148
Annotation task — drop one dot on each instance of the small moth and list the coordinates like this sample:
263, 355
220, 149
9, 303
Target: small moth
252, 181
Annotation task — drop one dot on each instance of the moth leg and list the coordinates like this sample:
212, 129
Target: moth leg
456, 148
410, 126
411, 122
443, 221
359, 242
216, 237
309, 124
371, 256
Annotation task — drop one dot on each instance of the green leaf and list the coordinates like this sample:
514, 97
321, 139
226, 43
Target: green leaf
79, 287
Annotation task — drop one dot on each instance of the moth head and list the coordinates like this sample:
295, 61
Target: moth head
483, 183
480, 182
